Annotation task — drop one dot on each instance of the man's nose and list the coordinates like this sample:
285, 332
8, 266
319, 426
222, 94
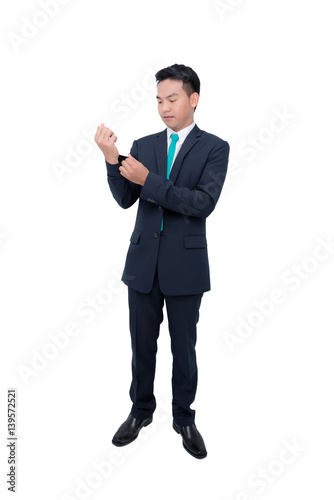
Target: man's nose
166, 107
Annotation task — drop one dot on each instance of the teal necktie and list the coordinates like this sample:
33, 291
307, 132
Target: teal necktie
171, 153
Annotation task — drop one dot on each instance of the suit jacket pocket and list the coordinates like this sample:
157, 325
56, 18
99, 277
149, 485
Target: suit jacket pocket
135, 237
195, 241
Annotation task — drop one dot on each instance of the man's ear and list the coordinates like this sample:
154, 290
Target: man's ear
194, 98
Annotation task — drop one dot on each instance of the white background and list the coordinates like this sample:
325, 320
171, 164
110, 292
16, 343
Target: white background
63, 240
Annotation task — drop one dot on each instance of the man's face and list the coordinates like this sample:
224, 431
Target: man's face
175, 107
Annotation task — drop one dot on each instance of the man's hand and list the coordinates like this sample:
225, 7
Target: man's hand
105, 139
133, 170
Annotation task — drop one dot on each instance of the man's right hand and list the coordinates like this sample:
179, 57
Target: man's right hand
105, 139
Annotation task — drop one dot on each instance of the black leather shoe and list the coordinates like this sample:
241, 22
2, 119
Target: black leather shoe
129, 430
192, 440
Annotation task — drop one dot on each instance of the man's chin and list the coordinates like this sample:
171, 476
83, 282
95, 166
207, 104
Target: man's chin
171, 125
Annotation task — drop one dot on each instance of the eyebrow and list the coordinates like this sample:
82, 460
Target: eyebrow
171, 95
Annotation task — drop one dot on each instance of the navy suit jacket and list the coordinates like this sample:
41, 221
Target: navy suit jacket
184, 200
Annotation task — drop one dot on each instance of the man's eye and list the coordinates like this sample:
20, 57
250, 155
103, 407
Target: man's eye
171, 100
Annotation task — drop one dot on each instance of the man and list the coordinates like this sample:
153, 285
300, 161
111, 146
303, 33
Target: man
177, 175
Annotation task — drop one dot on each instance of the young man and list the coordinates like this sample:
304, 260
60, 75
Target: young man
177, 175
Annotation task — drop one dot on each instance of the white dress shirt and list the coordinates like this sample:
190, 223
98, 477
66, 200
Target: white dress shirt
182, 136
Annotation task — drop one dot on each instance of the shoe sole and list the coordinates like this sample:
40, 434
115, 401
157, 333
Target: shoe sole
184, 446
134, 438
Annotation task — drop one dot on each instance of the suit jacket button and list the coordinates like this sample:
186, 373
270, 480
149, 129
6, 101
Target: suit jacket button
156, 235
159, 208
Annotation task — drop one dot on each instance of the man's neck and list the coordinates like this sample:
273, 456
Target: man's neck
185, 126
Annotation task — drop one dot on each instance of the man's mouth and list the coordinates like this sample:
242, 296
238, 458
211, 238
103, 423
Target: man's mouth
168, 117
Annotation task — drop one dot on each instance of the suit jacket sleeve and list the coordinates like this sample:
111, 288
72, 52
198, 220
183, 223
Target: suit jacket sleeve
198, 202
125, 192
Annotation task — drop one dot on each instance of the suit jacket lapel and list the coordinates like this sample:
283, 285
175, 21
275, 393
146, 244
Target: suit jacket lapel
190, 140
160, 145
161, 151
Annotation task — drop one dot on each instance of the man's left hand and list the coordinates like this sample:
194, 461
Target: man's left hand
133, 170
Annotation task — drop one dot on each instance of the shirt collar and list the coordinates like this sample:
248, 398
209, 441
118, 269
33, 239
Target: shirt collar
181, 133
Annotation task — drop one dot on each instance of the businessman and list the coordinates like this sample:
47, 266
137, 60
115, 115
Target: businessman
177, 175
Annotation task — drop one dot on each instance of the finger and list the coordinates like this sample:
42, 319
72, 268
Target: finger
123, 172
111, 140
132, 158
106, 134
126, 167
101, 131
98, 132
130, 162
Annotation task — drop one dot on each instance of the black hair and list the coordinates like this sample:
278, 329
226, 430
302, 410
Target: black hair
188, 76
